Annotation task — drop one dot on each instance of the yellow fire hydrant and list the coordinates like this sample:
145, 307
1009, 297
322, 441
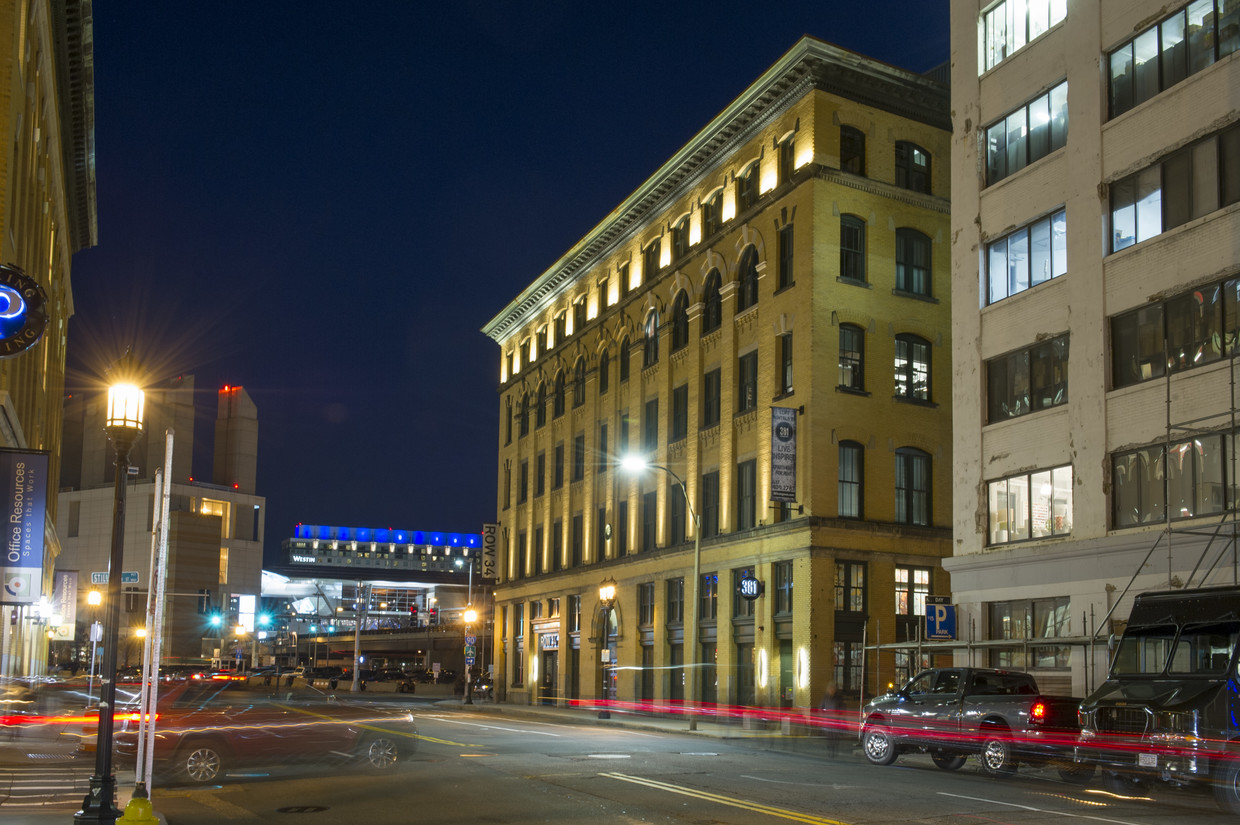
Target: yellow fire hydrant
138, 809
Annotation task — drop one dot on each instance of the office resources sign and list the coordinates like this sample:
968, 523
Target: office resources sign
783, 454
23, 496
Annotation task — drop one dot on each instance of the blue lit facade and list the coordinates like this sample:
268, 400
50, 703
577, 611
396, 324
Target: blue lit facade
392, 551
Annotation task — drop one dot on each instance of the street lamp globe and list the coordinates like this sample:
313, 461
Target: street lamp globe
125, 408
94, 598
471, 615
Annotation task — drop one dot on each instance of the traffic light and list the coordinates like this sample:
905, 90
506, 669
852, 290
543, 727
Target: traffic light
433, 613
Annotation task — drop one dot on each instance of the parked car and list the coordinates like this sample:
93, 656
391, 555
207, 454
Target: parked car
950, 713
1168, 711
205, 729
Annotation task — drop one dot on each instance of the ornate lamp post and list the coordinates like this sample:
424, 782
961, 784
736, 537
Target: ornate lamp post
636, 464
471, 616
123, 424
607, 599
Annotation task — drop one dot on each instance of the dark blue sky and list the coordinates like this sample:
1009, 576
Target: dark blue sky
324, 204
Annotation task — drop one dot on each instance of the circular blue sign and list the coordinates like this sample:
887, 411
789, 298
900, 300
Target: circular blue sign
23, 311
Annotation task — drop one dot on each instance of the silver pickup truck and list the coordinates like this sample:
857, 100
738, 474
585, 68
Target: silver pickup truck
951, 713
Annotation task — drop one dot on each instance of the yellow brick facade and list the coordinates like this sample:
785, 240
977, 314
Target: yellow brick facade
786, 128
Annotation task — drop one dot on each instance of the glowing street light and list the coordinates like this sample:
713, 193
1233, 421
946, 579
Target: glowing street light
606, 598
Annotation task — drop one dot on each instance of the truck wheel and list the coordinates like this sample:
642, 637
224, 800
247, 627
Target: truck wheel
996, 756
877, 745
1227, 786
948, 761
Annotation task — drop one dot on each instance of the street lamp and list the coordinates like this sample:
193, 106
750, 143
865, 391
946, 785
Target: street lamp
471, 616
123, 424
634, 464
94, 598
606, 598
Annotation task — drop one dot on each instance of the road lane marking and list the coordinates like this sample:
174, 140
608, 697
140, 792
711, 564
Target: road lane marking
609, 756
782, 813
497, 727
786, 782
1039, 810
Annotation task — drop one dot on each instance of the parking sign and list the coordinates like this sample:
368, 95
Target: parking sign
940, 619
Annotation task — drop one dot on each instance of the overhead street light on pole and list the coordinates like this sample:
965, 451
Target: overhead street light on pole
606, 599
634, 464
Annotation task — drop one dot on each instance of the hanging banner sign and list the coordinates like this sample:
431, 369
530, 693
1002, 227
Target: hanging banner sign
783, 454
64, 604
23, 496
490, 551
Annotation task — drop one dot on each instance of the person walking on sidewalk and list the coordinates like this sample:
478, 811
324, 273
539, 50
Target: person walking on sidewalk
832, 709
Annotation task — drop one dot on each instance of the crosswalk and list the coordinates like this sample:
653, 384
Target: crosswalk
51, 782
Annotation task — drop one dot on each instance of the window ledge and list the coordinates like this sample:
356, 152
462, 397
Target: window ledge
785, 394
785, 288
916, 402
917, 296
852, 391
853, 282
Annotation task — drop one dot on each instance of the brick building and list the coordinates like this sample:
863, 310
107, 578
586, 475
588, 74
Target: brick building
786, 263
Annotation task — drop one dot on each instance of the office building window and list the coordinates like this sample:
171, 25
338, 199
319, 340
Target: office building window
785, 364
912, 587
558, 394
624, 360
852, 248
1028, 380
523, 554
747, 381
540, 339
600, 533
1011, 24
708, 598
747, 274
747, 187
676, 507
1042, 620
852, 358
650, 427
579, 383
508, 422
852, 480
523, 419
1192, 182
1189, 481
912, 367
540, 474
1027, 135
574, 613
742, 608
579, 315
539, 550
604, 372
850, 586
1027, 257
557, 546
650, 526
1190, 40
852, 150
781, 576
507, 486
680, 413
650, 261
913, 262
712, 303
603, 458
523, 485
579, 457
709, 513
912, 486
912, 167
710, 398
557, 467
1030, 505
680, 321
787, 158
645, 604
621, 532
712, 214
650, 339
561, 327
746, 494
785, 257
623, 446
680, 239
675, 601
577, 540
540, 409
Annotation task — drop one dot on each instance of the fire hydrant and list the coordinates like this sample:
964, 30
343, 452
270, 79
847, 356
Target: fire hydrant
138, 810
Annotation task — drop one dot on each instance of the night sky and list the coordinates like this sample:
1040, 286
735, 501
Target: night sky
325, 202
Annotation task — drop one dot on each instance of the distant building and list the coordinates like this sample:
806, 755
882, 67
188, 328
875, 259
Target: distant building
790, 260
1095, 294
215, 537
47, 213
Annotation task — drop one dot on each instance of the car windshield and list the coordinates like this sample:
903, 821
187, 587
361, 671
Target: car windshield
1144, 650
1205, 648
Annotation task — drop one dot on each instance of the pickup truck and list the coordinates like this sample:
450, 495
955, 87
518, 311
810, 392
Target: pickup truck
951, 713
1168, 711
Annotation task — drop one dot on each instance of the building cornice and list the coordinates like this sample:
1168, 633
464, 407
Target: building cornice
73, 22
810, 65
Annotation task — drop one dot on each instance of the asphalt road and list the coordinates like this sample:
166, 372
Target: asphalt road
482, 766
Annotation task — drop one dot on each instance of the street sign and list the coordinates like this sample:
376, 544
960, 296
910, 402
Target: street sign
940, 619
471, 639
127, 577
469, 661
470, 651
750, 588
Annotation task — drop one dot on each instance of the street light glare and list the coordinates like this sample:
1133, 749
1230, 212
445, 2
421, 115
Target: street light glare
471, 616
634, 463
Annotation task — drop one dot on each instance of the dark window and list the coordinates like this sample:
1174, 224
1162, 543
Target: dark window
852, 480
912, 262
852, 248
747, 273
747, 188
540, 474
645, 604
624, 280
747, 382
524, 417
525, 354
558, 467
710, 398
1028, 380
507, 486
600, 534
624, 360
508, 422
579, 316
746, 494
578, 539
785, 364
1182, 332
561, 327
557, 546
579, 457
650, 262
538, 551
680, 412
650, 513
540, 411
785, 257
912, 167
710, 504
1027, 135
680, 321
781, 573
622, 529
604, 293
650, 341
604, 372
523, 483
680, 239
541, 339
523, 557
579, 383
623, 446
787, 158
912, 367
603, 458
557, 396
712, 215
852, 150
676, 507
675, 601
852, 357
712, 303
850, 586
650, 427
708, 599
912, 486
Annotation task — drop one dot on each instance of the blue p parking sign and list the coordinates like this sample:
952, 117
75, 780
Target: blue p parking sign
940, 619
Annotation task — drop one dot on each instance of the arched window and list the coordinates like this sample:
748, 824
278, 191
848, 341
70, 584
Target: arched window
712, 304
747, 274
912, 486
540, 411
604, 371
680, 321
912, 262
650, 347
524, 422
625, 357
852, 357
912, 167
579, 383
912, 367
557, 400
852, 248
852, 150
